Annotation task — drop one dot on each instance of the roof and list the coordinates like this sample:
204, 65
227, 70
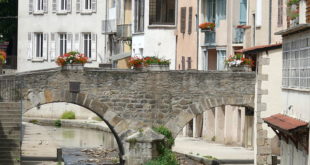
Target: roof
284, 122
294, 29
259, 48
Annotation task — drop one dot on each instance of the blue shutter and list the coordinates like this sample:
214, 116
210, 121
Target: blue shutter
243, 12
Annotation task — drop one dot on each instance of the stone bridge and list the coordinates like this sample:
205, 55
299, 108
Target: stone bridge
129, 100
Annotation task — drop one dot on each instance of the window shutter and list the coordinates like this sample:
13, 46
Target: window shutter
69, 42
77, 43
45, 48
78, 6
183, 19
190, 18
54, 6
29, 55
93, 47
183, 63
45, 5
280, 12
94, 5
53, 46
189, 63
258, 15
307, 12
69, 6
30, 6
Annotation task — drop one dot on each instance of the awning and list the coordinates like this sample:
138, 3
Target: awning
259, 48
289, 128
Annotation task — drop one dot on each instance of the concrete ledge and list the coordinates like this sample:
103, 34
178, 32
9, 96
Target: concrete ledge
71, 123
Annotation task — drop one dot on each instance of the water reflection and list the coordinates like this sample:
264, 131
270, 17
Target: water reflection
81, 138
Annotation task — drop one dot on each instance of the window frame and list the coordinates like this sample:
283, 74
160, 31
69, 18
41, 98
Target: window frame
39, 6
65, 5
163, 15
89, 4
38, 45
139, 16
62, 43
87, 45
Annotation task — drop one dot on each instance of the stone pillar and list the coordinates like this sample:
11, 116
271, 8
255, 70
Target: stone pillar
209, 124
142, 146
197, 126
229, 125
219, 124
187, 130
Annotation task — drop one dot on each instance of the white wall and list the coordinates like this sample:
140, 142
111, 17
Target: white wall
51, 22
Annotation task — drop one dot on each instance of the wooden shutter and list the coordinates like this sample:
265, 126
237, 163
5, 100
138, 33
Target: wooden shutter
78, 6
69, 42
94, 5
53, 46
189, 63
54, 6
190, 19
183, 19
183, 63
30, 6
77, 43
280, 12
308, 11
45, 48
94, 47
30, 43
45, 5
69, 6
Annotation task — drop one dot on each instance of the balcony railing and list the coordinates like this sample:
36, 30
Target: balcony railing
238, 36
108, 26
209, 37
124, 31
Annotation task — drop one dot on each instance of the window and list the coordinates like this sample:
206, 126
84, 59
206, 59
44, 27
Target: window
38, 45
216, 10
63, 5
139, 15
258, 15
296, 64
189, 63
183, 63
39, 5
87, 4
62, 43
190, 19
221, 55
87, 45
280, 12
243, 12
162, 12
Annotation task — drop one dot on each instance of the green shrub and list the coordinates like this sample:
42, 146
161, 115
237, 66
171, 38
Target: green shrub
57, 123
166, 156
34, 121
68, 115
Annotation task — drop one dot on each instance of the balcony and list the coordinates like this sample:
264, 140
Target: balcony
209, 37
124, 32
238, 35
109, 26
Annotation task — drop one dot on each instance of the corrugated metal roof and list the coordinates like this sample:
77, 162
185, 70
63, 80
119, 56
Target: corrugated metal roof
285, 122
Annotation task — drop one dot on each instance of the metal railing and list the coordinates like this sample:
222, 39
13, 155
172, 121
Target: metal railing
108, 26
124, 31
10, 90
210, 36
238, 35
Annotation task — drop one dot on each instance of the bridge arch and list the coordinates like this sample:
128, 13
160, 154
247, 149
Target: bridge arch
177, 123
116, 124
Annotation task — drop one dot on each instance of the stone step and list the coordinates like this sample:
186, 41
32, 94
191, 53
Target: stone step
10, 120
9, 153
10, 124
11, 144
10, 105
13, 117
10, 130
10, 112
12, 161
10, 136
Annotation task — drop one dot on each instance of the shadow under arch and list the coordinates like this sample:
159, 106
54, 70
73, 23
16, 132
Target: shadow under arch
113, 121
176, 124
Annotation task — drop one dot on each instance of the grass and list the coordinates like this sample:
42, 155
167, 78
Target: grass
34, 121
68, 115
57, 123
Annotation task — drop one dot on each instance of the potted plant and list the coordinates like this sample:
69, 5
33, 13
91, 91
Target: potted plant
238, 63
207, 26
136, 63
156, 64
2, 59
293, 11
72, 61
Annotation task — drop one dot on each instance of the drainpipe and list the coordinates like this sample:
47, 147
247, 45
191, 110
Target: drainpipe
254, 29
105, 36
197, 31
270, 17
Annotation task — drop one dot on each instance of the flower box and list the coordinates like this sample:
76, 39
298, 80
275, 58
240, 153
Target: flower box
240, 68
238, 63
73, 67
157, 67
207, 26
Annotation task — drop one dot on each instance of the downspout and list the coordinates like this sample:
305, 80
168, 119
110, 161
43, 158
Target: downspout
105, 36
254, 28
176, 17
270, 15
197, 31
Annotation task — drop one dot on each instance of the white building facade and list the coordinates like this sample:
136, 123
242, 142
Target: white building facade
154, 29
50, 28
